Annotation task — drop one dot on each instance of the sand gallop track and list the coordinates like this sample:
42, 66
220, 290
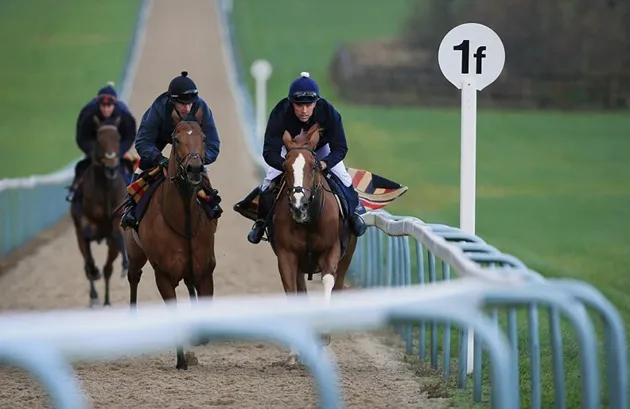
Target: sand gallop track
230, 374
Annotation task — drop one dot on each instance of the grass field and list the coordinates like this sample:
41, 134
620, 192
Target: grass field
55, 57
553, 187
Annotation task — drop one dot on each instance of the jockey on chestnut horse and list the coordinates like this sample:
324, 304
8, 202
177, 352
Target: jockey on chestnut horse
156, 130
297, 113
176, 234
105, 105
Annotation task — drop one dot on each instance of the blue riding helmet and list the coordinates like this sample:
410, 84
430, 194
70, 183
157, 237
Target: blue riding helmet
182, 89
107, 95
304, 90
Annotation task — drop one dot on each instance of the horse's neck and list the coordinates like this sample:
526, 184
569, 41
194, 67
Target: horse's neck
176, 202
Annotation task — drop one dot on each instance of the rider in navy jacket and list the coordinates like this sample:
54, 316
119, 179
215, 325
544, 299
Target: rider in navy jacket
105, 105
302, 108
156, 129
282, 118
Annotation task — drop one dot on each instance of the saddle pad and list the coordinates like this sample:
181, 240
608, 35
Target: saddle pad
375, 192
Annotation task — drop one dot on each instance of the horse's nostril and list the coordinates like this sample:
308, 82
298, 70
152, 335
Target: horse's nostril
193, 168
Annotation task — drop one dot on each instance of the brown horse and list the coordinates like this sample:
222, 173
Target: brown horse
176, 236
102, 188
308, 227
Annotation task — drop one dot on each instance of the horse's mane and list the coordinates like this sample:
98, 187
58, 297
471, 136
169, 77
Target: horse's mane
110, 120
302, 138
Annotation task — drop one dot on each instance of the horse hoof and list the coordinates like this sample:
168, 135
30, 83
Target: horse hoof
292, 360
182, 366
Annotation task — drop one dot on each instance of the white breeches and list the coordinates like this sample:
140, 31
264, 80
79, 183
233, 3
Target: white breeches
339, 169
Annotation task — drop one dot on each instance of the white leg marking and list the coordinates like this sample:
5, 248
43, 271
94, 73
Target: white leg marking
329, 282
298, 177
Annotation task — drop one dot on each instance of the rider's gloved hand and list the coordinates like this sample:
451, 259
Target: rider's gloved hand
163, 162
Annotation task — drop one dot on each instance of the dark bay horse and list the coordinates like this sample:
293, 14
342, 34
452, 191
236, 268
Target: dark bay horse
176, 235
308, 227
103, 186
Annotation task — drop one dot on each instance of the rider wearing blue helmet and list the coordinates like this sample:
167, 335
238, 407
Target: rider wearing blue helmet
105, 105
156, 129
302, 108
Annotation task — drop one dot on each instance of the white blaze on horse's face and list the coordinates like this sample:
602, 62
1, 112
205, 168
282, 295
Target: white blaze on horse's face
298, 179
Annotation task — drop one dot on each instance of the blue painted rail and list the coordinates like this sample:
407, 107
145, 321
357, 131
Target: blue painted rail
400, 251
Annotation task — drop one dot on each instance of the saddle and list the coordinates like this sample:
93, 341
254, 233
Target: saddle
143, 188
249, 208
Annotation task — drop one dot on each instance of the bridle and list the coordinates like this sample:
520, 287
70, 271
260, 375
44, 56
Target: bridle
182, 161
317, 183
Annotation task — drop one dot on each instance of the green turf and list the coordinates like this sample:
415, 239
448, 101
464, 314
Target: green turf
552, 187
56, 54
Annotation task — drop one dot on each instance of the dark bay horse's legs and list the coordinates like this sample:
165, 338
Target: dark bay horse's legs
91, 271
167, 291
123, 253
112, 253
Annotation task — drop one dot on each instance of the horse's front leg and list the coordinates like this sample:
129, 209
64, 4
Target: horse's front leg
108, 269
328, 266
167, 291
123, 251
91, 271
288, 267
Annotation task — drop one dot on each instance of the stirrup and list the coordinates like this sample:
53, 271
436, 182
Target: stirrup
258, 224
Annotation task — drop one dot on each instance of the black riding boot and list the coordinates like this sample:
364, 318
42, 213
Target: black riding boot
357, 223
79, 169
128, 218
265, 201
72, 189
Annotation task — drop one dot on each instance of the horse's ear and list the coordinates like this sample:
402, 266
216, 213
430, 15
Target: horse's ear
313, 135
286, 138
175, 117
96, 120
199, 116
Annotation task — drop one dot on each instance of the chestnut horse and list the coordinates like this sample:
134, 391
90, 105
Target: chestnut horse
102, 188
308, 227
176, 236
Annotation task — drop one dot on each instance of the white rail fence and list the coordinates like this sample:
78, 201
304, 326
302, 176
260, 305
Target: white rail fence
407, 261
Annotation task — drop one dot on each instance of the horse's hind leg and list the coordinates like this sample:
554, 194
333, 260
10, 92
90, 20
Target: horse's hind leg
344, 264
167, 291
112, 253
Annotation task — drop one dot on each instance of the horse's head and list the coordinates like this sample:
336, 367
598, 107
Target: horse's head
302, 172
189, 147
107, 146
